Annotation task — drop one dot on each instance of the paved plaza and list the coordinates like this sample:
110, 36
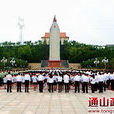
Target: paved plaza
47, 103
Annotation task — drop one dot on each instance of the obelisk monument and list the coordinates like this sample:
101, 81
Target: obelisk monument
54, 52
54, 49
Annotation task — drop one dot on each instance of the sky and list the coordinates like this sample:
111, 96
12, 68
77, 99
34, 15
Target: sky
85, 21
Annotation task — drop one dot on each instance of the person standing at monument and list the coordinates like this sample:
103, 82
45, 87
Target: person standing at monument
9, 82
77, 82
92, 81
4, 82
85, 80
55, 80
59, 80
112, 80
108, 79
34, 81
66, 79
23, 79
51, 82
40, 82
19, 81
27, 80
101, 81
13, 80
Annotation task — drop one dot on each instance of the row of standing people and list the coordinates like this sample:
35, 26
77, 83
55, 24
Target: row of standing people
97, 81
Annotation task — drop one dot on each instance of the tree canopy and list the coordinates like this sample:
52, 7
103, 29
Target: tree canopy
73, 51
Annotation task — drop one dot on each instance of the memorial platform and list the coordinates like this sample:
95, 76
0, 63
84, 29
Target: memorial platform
55, 63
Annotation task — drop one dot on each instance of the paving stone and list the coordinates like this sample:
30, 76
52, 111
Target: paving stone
48, 103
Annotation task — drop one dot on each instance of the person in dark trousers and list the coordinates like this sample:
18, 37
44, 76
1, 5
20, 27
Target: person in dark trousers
40, 82
9, 82
92, 81
112, 80
101, 81
19, 81
27, 80
60, 79
77, 82
66, 82
85, 81
51, 83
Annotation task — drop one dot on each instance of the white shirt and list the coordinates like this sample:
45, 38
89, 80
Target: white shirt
19, 78
27, 77
47, 79
51, 80
85, 78
23, 79
72, 78
66, 79
106, 77
111, 76
100, 78
34, 79
77, 78
59, 79
55, 78
96, 79
4, 80
13, 79
93, 80
9, 77
40, 78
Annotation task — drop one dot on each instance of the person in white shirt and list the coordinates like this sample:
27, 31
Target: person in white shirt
9, 82
96, 82
59, 80
105, 78
4, 82
101, 81
27, 80
66, 79
40, 82
55, 81
23, 80
51, 82
92, 81
13, 81
112, 80
34, 81
77, 82
47, 79
19, 81
108, 79
85, 80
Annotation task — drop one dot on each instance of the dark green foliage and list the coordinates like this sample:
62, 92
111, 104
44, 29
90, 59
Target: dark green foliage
73, 51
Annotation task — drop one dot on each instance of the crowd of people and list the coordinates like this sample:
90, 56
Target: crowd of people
58, 80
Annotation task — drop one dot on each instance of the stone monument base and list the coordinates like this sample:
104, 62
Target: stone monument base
55, 63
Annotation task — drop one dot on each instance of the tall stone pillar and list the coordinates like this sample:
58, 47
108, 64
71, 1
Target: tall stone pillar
54, 52
54, 49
